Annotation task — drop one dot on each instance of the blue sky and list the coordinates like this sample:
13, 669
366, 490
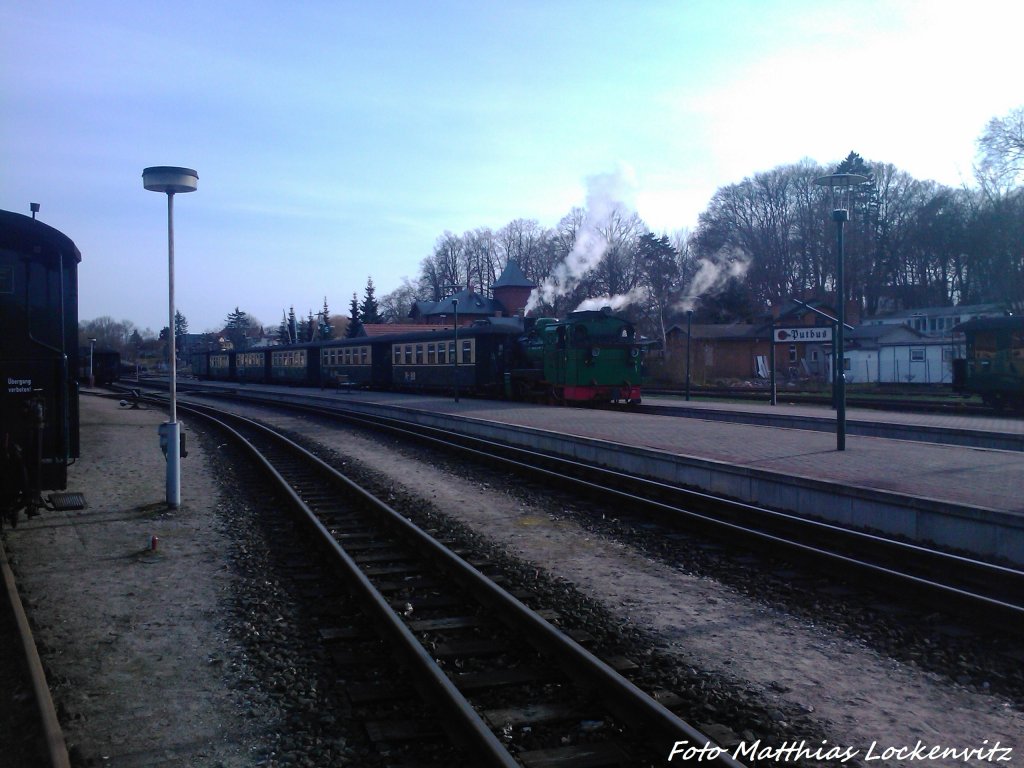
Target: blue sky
337, 141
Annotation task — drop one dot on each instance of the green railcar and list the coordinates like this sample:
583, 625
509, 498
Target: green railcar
590, 356
993, 367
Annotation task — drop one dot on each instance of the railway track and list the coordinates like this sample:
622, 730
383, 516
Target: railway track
512, 688
31, 734
978, 591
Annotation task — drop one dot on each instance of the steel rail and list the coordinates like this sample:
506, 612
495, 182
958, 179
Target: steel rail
623, 698
995, 610
468, 725
992, 609
56, 747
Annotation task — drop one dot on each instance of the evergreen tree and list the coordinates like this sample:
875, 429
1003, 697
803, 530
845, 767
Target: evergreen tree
282, 330
355, 325
180, 329
369, 312
293, 330
237, 324
326, 330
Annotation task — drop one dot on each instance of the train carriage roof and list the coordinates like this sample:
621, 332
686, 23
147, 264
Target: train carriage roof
25, 234
1007, 322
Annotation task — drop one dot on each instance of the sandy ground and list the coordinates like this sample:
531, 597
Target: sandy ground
132, 638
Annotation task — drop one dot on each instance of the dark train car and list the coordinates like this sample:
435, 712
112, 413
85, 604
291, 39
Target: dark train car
295, 364
220, 366
359, 362
253, 365
199, 363
39, 422
434, 360
106, 365
993, 366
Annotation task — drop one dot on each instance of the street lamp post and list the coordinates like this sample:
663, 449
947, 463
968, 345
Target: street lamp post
840, 185
689, 319
92, 376
171, 180
455, 304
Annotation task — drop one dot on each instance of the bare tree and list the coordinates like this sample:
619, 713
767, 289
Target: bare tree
525, 242
396, 306
1000, 165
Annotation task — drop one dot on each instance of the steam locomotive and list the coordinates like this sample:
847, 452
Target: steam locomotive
38, 362
587, 357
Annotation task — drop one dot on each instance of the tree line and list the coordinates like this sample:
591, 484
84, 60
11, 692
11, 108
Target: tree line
909, 243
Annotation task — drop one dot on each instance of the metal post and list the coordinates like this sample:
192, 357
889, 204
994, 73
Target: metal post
92, 375
173, 430
771, 360
455, 303
840, 216
171, 179
840, 185
689, 318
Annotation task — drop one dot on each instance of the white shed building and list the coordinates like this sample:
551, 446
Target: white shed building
891, 354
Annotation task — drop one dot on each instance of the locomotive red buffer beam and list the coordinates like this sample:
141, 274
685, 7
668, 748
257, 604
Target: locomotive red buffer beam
591, 393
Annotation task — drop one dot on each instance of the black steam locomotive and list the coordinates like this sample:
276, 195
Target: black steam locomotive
38, 362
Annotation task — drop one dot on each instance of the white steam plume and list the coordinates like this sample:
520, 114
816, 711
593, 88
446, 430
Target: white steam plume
714, 272
606, 193
614, 302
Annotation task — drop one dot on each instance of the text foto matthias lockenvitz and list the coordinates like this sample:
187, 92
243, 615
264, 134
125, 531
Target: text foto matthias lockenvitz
794, 751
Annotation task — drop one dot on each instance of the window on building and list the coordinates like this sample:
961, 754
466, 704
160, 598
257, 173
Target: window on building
792, 353
917, 355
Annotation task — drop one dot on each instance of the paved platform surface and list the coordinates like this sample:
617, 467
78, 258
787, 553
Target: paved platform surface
980, 478
993, 422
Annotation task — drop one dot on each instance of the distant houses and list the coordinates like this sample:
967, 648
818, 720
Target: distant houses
910, 347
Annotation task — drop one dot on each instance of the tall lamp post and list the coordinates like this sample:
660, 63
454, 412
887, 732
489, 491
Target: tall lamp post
689, 319
455, 329
841, 188
92, 375
455, 359
171, 180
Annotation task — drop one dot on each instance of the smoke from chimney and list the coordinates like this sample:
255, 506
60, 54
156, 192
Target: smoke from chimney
606, 193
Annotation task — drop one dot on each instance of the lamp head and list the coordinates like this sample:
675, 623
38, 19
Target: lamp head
169, 179
841, 187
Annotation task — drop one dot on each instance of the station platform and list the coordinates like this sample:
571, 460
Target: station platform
966, 499
992, 430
